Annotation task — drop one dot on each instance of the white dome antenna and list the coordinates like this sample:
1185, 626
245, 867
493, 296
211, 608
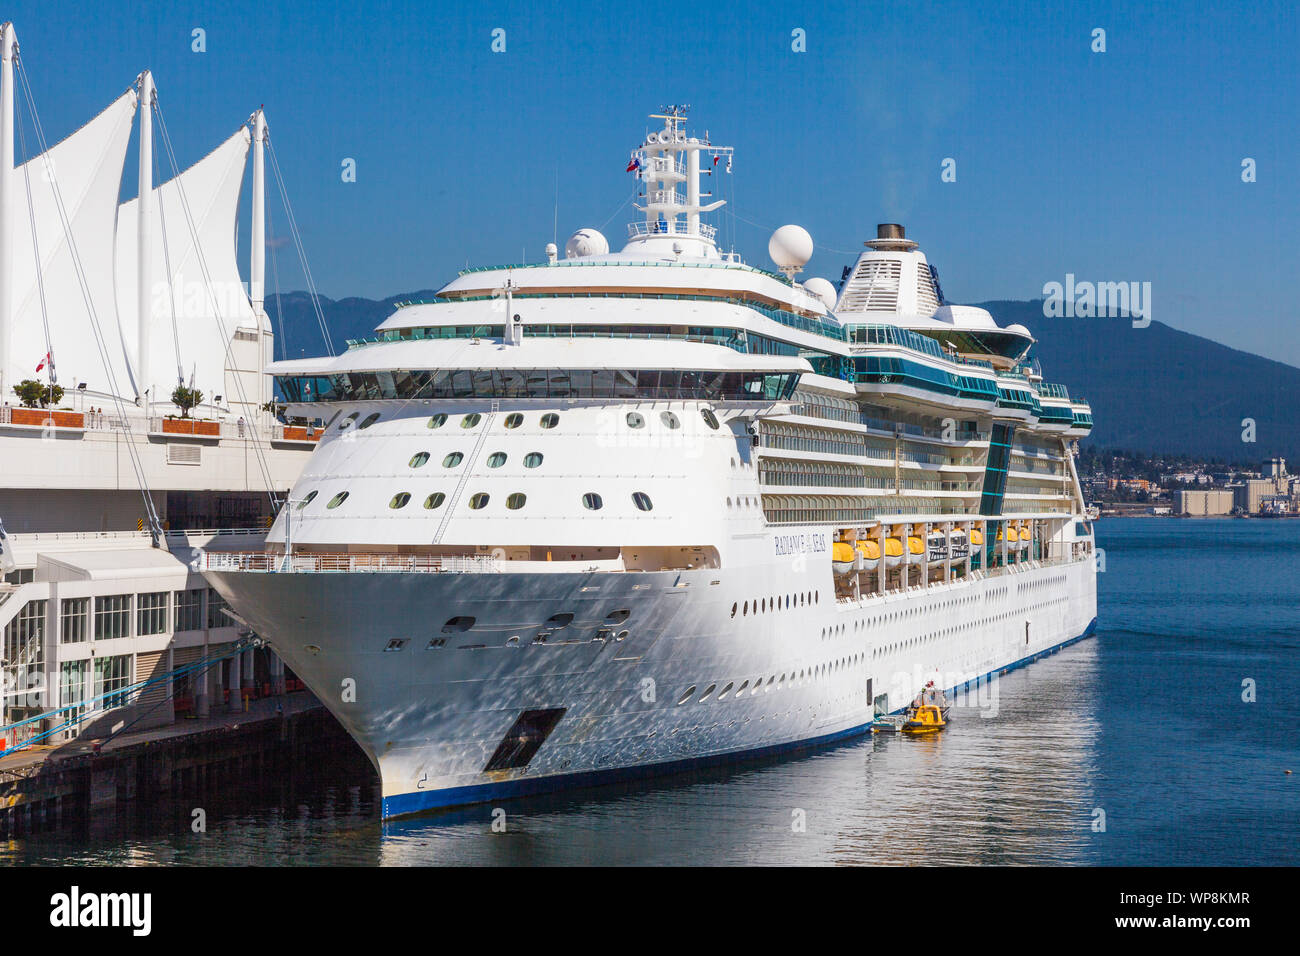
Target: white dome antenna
822, 289
790, 248
586, 242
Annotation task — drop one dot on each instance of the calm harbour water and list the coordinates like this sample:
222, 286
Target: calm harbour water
1144, 722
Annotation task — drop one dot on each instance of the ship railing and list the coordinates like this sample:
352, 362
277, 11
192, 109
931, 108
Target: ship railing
309, 563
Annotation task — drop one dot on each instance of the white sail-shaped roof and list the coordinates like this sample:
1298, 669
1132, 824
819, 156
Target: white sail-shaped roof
87, 167
211, 189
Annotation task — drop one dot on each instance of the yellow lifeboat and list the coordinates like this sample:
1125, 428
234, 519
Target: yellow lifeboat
869, 552
1026, 536
926, 719
843, 557
915, 548
976, 536
893, 552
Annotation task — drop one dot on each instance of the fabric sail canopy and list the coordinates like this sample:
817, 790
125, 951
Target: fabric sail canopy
87, 168
185, 304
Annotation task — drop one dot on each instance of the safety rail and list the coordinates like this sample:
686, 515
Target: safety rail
347, 563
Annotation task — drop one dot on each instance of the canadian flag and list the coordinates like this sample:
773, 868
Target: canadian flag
43, 361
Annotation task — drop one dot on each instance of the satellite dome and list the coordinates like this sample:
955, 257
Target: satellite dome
790, 247
585, 242
1020, 330
823, 289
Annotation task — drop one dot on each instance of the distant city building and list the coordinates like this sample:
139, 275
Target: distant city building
1203, 502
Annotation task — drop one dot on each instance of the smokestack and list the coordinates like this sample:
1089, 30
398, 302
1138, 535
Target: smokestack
889, 230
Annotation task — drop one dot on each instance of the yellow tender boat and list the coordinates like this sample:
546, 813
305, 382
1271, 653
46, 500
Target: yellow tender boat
926, 719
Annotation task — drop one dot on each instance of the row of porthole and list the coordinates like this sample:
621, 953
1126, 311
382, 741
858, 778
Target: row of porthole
591, 500
549, 420
763, 605
513, 420
494, 460
817, 672
951, 631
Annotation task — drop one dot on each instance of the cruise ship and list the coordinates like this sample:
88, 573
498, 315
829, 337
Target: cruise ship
107, 488
623, 513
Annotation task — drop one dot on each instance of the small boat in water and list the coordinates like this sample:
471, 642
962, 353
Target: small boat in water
928, 713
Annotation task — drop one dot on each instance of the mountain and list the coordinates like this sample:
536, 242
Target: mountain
1153, 389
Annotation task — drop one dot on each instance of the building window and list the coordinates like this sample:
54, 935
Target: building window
434, 500
189, 609
311, 495
635, 420
74, 614
642, 500
112, 674
452, 460
532, 459
417, 461
112, 616
337, 500
514, 420
670, 419
592, 501
151, 613
480, 500
217, 615
516, 501
399, 500
24, 656
550, 420
437, 421
471, 420
496, 459
72, 686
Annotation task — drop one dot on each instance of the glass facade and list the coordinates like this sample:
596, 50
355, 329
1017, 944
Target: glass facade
112, 616
669, 384
884, 370
151, 613
189, 609
24, 655
74, 623
995, 471
112, 674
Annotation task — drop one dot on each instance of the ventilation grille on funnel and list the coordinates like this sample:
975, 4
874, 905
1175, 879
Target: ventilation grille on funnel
873, 287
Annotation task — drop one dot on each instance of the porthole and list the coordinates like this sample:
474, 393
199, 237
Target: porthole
734, 608
532, 459
710, 419
458, 624
434, 500
635, 420
745, 612
369, 420
514, 420
617, 617
311, 496
642, 500
337, 500
399, 500
349, 420
557, 621
708, 692
550, 420
726, 690
592, 501
686, 695
437, 421
479, 500
452, 460
670, 419
516, 501
496, 459
418, 461
471, 420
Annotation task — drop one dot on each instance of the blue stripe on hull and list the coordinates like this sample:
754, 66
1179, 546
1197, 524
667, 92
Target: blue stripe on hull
404, 804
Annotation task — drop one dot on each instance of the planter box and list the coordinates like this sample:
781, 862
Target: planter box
39, 416
188, 426
301, 433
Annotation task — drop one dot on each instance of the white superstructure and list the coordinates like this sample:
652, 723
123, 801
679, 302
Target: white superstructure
105, 488
622, 512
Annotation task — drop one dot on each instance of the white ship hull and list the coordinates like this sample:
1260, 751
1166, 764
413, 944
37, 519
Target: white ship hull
434, 719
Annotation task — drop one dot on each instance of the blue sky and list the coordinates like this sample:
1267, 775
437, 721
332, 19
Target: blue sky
1115, 166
